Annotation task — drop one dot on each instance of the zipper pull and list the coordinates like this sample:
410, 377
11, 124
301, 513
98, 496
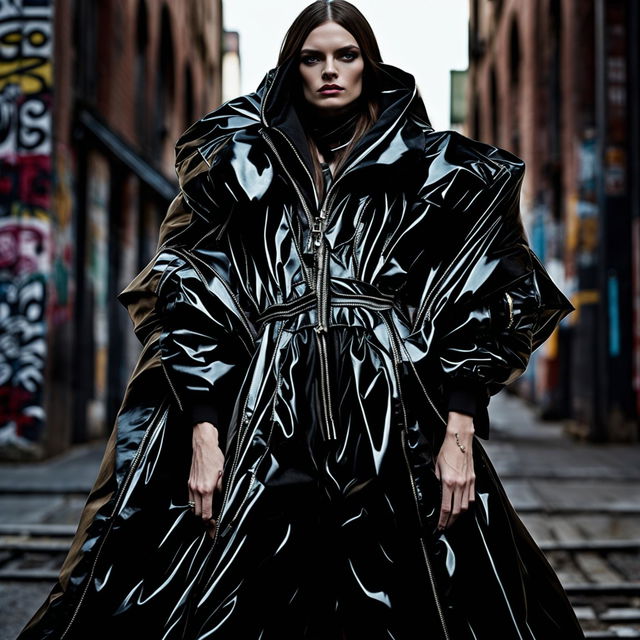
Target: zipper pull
316, 231
318, 226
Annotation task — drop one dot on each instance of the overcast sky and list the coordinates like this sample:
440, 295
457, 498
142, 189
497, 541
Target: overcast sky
425, 38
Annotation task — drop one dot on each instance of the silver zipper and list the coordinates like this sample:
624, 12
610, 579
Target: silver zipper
270, 142
430, 299
412, 365
328, 420
321, 335
316, 237
264, 453
236, 455
374, 305
125, 485
295, 184
317, 233
510, 304
356, 241
305, 271
302, 163
403, 435
321, 262
241, 440
322, 326
300, 196
325, 388
134, 465
175, 393
317, 227
236, 458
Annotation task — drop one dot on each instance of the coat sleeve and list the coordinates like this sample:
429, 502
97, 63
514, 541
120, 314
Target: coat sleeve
187, 302
188, 309
489, 302
487, 344
206, 339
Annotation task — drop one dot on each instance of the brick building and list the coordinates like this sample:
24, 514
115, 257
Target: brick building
95, 96
556, 82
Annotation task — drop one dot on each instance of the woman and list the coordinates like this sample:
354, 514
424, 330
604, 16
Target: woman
337, 291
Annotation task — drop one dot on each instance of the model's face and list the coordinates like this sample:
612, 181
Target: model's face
330, 55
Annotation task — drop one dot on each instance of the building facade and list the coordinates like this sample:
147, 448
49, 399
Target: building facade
93, 96
556, 82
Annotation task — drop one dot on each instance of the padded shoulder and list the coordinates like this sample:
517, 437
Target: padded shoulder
215, 158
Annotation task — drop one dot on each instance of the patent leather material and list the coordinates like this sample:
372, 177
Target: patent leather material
324, 337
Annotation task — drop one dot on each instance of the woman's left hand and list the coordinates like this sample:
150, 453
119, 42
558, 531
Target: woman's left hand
454, 468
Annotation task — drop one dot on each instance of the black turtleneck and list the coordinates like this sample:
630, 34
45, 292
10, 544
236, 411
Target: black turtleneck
330, 132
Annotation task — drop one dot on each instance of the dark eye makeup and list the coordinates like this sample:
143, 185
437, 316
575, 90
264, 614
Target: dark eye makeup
348, 55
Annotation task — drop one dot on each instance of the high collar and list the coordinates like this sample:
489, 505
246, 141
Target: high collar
225, 139
330, 132
400, 127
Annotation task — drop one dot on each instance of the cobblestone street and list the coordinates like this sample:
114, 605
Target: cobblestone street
580, 501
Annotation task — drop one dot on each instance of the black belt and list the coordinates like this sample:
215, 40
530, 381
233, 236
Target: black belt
284, 310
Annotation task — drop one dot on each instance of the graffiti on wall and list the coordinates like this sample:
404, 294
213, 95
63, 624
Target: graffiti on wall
25, 228
59, 307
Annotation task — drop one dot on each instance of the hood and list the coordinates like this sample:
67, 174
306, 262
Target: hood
226, 139
401, 108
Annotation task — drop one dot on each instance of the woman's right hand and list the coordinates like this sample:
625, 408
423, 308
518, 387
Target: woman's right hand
207, 464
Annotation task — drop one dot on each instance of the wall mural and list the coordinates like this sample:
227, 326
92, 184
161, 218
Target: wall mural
25, 224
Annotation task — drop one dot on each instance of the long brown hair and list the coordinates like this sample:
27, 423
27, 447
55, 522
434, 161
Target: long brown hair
350, 18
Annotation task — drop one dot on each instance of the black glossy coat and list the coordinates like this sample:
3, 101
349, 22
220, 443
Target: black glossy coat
325, 340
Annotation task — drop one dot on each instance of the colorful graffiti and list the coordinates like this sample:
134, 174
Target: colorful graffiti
59, 307
25, 225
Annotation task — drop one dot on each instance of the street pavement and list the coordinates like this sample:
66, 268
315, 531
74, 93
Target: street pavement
544, 469
565, 491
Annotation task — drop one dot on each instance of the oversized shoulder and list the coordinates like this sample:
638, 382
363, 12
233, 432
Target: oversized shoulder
458, 168
230, 129
204, 272
207, 133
